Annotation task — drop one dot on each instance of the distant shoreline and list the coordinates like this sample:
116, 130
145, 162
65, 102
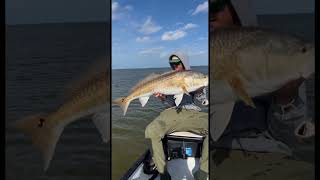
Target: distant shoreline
151, 67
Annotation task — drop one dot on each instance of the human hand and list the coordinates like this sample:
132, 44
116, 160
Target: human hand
288, 92
158, 94
200, 90
162, 97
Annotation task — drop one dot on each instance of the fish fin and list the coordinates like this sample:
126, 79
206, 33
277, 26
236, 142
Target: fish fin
178, 98
184, 89
219, 119
238, 89
144, 100
44, 137
102, 122
123, 103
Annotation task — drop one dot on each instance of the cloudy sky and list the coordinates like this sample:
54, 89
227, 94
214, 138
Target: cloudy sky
144, 32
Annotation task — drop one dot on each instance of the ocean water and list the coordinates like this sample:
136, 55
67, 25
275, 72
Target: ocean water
41, 60
128, 141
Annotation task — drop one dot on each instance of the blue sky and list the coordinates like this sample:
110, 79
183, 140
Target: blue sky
145, 32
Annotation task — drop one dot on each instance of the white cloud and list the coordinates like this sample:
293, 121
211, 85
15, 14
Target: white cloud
149, 27
115, 7
190, 26
119, 11
177, 34
156, 50
143, 39
173, 35
201, 8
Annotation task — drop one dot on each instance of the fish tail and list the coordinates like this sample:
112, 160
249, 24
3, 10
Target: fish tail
123, 102
44, 136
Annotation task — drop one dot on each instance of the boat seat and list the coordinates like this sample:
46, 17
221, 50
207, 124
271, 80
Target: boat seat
182, 145
186, 134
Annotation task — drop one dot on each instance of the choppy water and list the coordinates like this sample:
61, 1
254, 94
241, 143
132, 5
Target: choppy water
41, 60
128, 141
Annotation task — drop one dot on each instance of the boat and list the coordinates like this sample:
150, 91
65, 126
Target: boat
182, 151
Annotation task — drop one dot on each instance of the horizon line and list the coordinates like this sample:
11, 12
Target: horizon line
151, 67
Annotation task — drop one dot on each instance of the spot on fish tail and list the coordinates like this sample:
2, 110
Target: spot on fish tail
41, 121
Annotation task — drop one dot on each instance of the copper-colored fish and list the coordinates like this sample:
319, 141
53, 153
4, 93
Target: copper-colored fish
174, 83
248, 62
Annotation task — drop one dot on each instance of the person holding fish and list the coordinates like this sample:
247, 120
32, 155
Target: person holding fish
179, 89
267, 130
186, 117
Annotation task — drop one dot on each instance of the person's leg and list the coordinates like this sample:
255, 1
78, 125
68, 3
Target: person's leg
203, 172
156, 130
196, 122
191, 121
172, 121
204, 161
